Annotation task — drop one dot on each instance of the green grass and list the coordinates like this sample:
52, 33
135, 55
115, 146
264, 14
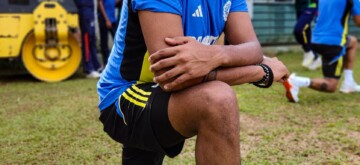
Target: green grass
56, 123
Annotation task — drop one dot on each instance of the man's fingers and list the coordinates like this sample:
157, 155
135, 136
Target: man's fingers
178, 81
163, 63
168, 75
177, 40
163, 53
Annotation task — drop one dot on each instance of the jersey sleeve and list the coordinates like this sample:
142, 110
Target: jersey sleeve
164, 6
238, 6
356, 7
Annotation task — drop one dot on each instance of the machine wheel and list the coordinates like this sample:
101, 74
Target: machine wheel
51, 69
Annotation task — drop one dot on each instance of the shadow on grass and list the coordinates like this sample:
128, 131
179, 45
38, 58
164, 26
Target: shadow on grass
14, 71
16, 77
24, 77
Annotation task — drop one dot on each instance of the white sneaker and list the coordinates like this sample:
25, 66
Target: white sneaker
308, 58
93, 75
315, 64
292, 90
351, 87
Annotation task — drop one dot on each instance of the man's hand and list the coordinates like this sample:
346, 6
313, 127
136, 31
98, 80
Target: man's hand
108, 24
187, 59
281, 73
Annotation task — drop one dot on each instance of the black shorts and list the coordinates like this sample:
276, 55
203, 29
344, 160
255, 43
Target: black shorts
328, 53
145, 125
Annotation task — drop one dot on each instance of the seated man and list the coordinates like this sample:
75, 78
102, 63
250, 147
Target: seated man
160, 87
331, 41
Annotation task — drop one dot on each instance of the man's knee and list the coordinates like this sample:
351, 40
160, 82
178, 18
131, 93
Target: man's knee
330, 85
219, 101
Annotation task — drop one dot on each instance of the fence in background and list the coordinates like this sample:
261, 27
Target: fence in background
274, 23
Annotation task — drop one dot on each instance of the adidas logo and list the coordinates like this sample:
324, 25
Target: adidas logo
198, 12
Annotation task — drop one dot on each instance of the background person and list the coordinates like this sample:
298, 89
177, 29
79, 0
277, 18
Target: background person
306, 11
107, 23
90, 60
331, 41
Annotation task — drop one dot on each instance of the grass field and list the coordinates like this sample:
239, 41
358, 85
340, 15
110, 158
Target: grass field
56, 123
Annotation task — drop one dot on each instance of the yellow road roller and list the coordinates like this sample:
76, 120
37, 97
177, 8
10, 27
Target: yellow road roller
40, 32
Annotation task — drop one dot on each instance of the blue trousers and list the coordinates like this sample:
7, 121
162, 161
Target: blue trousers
302, 30
88, 40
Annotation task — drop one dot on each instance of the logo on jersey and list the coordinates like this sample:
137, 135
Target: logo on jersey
207, 40
198, 12
227, 7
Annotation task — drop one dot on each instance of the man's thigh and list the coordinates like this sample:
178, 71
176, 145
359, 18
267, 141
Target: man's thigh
329, 53
140, 117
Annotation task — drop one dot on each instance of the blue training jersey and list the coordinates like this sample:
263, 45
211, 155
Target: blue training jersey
128, 62
331, 26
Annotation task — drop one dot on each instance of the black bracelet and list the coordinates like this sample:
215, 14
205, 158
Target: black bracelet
210, 76
268, 78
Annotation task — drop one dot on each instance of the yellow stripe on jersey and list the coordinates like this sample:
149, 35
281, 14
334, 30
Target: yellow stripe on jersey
339, 67
142, 98
127, 97
304, 33
346, 26
146, 75
140, 91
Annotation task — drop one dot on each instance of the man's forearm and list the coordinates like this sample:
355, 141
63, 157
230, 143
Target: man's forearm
231, 76
240, 75
244, 54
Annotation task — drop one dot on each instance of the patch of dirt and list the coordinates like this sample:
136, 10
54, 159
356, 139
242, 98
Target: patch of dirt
356, 136
249, 126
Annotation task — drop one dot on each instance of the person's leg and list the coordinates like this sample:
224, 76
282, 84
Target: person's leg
104, 40
302, 33
324, 84
211, 112
331, 72
310, 15
132, 128
208, 110
85, 44
349, 58
349, 84
92, 46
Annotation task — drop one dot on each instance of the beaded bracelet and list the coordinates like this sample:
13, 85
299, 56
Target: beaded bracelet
268, 78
